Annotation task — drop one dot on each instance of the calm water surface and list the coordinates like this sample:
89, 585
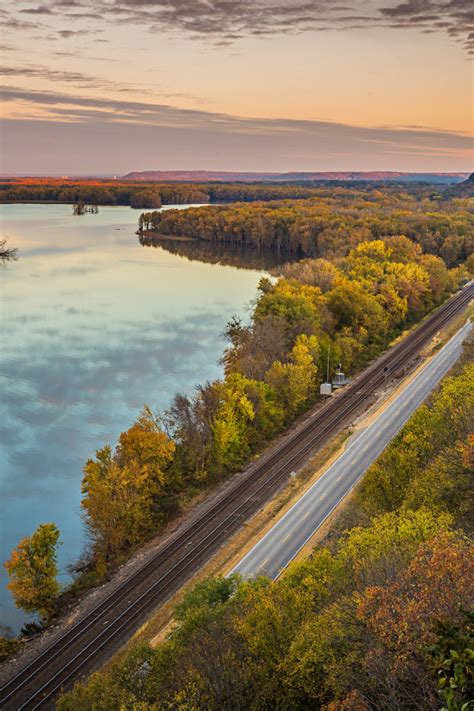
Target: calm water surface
93, 326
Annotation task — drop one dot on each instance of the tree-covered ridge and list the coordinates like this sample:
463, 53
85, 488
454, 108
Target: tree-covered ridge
379, 618
148, 194
153, 194
93, 192
328, 225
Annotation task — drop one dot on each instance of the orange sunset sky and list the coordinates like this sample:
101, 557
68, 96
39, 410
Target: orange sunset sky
125, 85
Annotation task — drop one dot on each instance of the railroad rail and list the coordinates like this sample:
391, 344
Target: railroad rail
100, 632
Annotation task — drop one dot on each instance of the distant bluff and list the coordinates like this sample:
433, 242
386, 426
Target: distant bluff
461, 190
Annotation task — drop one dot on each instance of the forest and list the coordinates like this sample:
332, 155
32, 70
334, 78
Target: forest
352, 306
378, 618
152, 195
329, 225
142, 195
368, 265
106, 192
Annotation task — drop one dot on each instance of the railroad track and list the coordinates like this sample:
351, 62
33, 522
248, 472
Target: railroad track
103, 629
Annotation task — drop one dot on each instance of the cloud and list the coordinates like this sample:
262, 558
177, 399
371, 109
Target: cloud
80, 133
224, 22
42, 72
39, 10
73, 33
82, 109
87, 81
54, 418
99, 389
454, 16
227, 22
13, 23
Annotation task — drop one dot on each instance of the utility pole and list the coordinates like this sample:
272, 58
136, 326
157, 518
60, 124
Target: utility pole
326, 388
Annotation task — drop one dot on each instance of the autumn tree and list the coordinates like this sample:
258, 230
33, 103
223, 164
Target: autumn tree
146, 198
123, 491
313, 272
33, 570
302, 307
246, 410
253, 349
8, 646
437, 585
295, 382
437, 472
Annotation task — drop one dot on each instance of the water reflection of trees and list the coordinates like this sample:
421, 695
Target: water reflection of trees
218, 253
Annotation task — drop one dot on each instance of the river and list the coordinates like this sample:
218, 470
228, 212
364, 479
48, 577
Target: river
93, 326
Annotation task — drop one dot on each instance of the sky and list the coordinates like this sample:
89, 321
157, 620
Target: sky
257, 85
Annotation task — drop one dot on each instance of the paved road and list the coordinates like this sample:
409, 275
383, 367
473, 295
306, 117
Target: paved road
281, 544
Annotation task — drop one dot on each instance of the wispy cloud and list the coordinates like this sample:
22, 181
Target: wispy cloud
38, 10
71, 107
10, 22
59, 107
152, 133
456, 17
82, 80
226, 21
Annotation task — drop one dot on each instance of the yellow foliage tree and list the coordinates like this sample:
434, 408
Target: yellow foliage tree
295, 382
121, 491
33, 570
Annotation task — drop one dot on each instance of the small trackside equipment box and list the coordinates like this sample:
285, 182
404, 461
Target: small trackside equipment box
325, 389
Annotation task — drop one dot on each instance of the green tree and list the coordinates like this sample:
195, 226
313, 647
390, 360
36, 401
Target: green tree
203, 600
453, 654
33, 570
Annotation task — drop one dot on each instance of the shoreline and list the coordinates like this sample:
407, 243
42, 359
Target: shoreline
69, 202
